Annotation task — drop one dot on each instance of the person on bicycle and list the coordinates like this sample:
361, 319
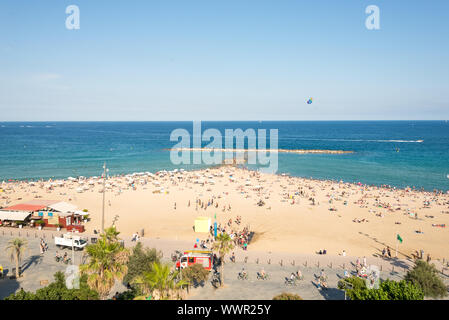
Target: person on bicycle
323, 279
243, 272
322, 274
262, 273
299, 274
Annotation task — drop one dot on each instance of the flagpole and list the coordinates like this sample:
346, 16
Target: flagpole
397, 244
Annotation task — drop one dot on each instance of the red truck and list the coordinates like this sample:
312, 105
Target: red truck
190, 257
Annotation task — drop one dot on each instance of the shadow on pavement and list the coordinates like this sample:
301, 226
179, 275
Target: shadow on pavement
36, 259
332, 294
7, 287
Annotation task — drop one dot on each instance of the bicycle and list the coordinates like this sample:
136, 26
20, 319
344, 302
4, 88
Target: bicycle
242, 276
176, 256
216, 281
299, 278
264, 277
290, 282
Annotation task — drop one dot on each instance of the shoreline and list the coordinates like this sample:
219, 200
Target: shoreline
224, 165
288, 214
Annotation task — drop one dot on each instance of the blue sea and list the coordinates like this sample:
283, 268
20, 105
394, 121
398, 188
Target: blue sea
35, 150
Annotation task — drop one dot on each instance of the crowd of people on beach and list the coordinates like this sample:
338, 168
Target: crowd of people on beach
380, 201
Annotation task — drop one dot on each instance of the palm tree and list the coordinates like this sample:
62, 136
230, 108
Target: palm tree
111, 234
107, 263
16, 248
162, 280
223, 244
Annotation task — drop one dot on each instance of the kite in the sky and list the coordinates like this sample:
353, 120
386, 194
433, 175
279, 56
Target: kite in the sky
309, 101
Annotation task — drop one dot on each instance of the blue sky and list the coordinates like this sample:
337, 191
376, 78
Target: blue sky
223, 60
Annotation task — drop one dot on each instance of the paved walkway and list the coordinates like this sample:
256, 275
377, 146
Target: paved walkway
253, 289
35, 267
38, 267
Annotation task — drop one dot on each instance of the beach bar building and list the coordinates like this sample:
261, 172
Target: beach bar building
52, 213
8, 218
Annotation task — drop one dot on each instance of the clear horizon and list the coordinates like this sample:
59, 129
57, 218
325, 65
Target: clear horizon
228, 60
324, 120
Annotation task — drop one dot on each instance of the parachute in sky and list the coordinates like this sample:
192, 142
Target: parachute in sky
310, 101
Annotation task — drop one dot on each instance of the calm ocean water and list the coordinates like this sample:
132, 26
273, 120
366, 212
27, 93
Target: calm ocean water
35, 150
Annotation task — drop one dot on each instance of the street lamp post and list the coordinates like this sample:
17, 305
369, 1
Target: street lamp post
73, 249
104, 192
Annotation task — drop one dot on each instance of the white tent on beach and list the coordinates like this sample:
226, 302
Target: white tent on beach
63, 207
14, 215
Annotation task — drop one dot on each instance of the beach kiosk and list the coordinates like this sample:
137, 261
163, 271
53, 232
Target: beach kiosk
202, 224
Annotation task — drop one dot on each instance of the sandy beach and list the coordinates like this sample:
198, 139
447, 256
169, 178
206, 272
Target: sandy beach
288, 214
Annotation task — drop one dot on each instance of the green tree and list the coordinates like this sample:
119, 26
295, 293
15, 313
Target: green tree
21, 295
57, 290
111, 234
16, 248
223, 245
388, 290
426, 276
140, 261
130, 294
162, 280
194, 274
355, 283
107, 262
287, 296
402, 290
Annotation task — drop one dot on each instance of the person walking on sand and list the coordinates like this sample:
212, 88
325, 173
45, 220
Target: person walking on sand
364, 261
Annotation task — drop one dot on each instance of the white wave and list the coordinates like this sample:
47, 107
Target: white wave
361, 140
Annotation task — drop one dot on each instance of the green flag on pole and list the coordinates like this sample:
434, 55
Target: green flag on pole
399, 238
